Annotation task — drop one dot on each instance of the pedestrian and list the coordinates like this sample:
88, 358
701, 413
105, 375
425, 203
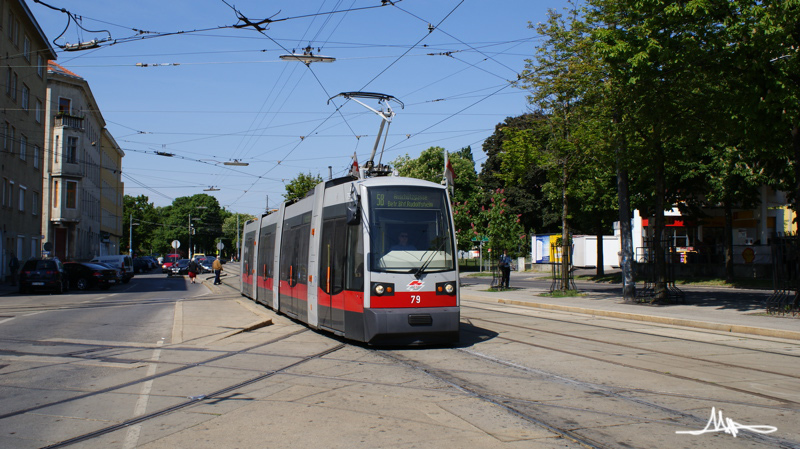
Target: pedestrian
13, 266
192, 269
217, 267
505, 270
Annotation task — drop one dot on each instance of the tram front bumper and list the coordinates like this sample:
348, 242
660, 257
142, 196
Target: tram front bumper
412, 326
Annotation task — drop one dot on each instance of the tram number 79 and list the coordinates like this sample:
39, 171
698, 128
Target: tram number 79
416, 299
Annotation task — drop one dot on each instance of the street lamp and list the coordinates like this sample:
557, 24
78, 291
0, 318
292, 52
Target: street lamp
130, 235
236, 162
190, 229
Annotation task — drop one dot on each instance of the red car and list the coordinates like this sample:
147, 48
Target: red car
169, 259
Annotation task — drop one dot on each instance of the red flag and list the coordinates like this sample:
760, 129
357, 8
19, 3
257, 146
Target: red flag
354, 168
449, 173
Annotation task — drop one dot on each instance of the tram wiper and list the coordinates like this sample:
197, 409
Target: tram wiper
420, 270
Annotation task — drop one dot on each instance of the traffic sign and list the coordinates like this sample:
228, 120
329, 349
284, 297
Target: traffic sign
176, 244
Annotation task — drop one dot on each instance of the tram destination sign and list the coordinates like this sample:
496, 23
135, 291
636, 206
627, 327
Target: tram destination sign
406, 199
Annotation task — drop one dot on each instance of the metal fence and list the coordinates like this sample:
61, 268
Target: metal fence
561, 282
785, 298
647, 272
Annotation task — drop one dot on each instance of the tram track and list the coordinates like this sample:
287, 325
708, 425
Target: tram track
661, 372
630, 331
215, 395
148, 378
531, 410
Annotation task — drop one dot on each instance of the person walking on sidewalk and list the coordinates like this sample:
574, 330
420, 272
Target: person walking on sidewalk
193, 269
217, 267
13, 267
505, 270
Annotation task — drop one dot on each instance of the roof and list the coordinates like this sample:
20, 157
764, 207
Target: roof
54, 67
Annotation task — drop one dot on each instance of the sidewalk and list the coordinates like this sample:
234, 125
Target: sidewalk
741, 311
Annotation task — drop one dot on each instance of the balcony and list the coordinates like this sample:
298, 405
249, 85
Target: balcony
65, 120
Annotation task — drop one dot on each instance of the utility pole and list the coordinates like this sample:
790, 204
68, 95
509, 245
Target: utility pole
130, 237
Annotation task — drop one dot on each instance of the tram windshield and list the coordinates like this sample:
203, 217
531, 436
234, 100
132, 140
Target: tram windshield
410, 230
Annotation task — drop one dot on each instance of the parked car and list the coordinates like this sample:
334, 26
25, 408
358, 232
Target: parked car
43, 274
178, 268
141, 265
86, 275
121, 262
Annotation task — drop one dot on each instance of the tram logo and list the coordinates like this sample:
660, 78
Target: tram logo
414, 285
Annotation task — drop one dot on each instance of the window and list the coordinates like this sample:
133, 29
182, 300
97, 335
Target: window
40, 66
72, 194
36, 151
5, 189
26, 48
64, 105
11, 20
8, 81
11, 136
26, 93
55, 194
10, 193
14, 79
38, 111
6, 127
23, 147
22, 190
35, 204
71, 150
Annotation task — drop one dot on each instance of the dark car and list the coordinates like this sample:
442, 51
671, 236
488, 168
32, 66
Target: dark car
141, 265
205, 264
43, 274
84, 276
178, 268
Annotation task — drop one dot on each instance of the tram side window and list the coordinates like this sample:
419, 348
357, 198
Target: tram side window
267, 253
355, 258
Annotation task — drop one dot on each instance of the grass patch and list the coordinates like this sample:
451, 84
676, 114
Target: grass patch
563, 294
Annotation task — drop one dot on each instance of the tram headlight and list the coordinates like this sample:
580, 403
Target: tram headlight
382, 289
446, 288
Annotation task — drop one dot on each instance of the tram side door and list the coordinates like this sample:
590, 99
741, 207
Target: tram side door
333, 265
248, 263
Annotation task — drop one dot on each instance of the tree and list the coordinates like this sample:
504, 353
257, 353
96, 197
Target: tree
520, 180
298, 188
145, 216
232, 228
562, 81
430, 167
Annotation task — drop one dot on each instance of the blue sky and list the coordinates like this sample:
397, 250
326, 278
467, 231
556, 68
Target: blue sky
223, 93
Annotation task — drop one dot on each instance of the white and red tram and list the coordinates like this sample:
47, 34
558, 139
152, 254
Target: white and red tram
331, 261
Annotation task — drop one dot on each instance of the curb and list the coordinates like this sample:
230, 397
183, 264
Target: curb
740, 329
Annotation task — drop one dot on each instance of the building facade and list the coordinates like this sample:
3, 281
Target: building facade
24, 52
112, 193
76, 222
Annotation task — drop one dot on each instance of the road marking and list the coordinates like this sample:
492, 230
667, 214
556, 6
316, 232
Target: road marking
7, 319
177, 323
132, 437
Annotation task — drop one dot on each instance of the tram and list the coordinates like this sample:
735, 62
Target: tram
332, 260
370, 257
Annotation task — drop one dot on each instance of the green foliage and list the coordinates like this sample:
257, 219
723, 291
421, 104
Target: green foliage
299, 187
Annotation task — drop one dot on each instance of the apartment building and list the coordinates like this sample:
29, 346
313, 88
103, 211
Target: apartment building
81, 190
24, 52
